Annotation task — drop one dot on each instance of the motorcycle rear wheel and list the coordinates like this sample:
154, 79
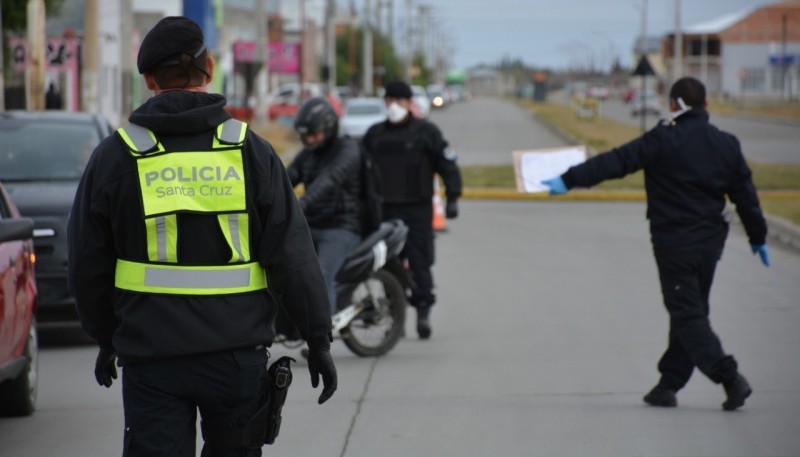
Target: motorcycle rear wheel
378, 328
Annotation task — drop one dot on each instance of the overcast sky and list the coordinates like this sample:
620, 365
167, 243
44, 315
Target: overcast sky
556, 34
562, 33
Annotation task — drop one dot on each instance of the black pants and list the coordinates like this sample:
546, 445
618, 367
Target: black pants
419, 249
686, 277
161, 401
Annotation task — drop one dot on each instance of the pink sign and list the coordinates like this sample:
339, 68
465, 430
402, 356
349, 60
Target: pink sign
61, 54
284, 57
244, 51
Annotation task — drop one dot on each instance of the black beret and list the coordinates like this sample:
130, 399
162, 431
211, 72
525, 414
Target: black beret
398, 89
169, 38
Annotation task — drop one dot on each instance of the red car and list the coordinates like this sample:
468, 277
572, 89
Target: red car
286, 108
19, 349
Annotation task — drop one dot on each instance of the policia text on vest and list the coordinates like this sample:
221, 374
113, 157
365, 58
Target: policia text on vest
184, 181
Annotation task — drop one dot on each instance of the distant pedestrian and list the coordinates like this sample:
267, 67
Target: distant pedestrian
52, 98
690, 166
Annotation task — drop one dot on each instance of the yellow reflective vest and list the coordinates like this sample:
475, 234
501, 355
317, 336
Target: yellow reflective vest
209, 182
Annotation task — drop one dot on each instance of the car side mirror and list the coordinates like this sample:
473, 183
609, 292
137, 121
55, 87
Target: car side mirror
16, 229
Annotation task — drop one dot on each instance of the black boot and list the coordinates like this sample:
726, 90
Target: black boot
661, 396
423, 321
737, 391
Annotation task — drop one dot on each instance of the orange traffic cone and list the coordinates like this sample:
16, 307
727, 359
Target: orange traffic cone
439, 219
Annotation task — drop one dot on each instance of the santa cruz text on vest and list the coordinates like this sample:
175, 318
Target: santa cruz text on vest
192, 175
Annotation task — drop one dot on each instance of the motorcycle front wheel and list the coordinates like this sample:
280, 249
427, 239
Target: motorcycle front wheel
379, 326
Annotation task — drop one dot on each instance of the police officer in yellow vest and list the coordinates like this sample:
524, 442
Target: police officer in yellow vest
184, 237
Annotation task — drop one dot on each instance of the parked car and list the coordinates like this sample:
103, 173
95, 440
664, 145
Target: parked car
285, 102
42, 158
421, 101
19, 349
360, 114
649, 103
285, 109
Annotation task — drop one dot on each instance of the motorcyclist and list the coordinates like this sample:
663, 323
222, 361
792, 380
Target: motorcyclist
330, 169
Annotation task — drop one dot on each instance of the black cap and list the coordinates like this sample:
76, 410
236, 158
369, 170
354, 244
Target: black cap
397, 89
167, 40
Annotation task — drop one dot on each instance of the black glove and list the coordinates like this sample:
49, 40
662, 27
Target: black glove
320, 362
451, 211
104, 368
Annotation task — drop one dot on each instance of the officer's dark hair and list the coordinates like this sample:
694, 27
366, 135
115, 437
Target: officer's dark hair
690, 90
182, 72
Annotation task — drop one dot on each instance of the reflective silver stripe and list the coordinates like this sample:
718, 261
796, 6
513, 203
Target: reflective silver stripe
233, 226
161, 238
231, 132
140, 137
196, 279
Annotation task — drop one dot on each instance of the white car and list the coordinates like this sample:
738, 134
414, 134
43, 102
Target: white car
649, 104
421, 101
360, 114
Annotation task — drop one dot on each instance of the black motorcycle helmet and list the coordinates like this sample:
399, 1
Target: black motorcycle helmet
316, 115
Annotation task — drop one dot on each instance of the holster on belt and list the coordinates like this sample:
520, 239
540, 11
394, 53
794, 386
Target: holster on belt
265, 424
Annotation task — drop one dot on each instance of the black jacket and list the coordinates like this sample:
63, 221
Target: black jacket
407, 155
106, 223
332, 178
689, 167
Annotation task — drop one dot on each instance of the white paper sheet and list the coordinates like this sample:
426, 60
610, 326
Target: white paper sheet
534, 166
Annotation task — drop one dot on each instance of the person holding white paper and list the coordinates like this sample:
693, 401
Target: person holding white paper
690, 166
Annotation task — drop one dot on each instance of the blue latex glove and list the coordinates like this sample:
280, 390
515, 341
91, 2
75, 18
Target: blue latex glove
761, 250
556, 185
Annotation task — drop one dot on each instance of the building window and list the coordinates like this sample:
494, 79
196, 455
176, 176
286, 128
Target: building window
712, 47
754, 79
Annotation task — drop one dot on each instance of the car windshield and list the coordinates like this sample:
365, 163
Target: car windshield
39, 150
363, 110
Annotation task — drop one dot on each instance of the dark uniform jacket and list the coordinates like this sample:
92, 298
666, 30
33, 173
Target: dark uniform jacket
689, 167
106, 223
407, 155
332, 178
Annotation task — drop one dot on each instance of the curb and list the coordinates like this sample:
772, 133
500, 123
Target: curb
781, 231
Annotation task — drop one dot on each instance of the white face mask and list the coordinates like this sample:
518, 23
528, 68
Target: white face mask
396, 113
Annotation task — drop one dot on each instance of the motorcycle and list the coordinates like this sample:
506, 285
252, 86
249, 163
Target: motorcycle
371, 291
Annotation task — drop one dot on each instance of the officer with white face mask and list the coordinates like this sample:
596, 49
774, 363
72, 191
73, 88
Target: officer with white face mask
409, 151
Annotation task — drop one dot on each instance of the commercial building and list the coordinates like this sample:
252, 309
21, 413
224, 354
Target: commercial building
753, 54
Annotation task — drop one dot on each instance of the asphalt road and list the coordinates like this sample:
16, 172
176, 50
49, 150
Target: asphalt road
546, 336
486, 130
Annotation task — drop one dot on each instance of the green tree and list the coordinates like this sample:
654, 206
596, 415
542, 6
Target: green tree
384, 57
15, 13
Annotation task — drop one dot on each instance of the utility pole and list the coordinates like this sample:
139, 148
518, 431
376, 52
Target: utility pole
2, 66
677, 70
126, 16
367, 62
262, 51
331, 40
783, 58
642, 98
410, 39
302, 46
90, 58
351, 49
36, 46
704, 60
378, 49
